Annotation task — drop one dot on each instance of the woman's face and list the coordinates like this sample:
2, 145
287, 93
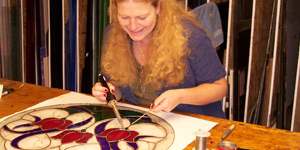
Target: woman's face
138, 19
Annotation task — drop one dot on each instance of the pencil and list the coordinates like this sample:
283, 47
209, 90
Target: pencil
227, 132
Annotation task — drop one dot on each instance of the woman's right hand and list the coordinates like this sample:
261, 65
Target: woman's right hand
100, 92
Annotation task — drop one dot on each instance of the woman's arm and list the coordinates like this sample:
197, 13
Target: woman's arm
200, 95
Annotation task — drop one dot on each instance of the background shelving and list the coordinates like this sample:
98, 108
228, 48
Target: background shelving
57, 44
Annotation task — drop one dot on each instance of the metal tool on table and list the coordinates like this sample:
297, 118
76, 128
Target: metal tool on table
151, 106
227, 132
7, 90
227, 145
111, 100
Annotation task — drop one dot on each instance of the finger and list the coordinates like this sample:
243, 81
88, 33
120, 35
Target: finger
99, 87
163, 106
111, 87
158, 100
158, 105
101, 97
99, 92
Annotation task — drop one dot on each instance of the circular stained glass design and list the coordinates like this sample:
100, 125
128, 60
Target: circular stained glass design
82, 127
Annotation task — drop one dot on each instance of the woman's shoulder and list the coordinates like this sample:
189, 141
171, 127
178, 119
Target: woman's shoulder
192, 26
195, 33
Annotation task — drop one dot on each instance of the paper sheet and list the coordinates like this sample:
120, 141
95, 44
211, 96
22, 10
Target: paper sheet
184, 126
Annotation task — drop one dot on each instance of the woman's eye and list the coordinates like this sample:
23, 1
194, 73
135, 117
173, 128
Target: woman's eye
141, 18
124, 17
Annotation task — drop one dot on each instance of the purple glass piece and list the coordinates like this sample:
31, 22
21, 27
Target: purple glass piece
114, 145
133, 145
80, 123
103, 143
100, 128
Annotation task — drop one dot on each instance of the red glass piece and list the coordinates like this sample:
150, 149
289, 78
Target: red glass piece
65, 125
118, 135
44, 120
86, 137
74, 136
106, 132
52, 124
61, 135
132, 136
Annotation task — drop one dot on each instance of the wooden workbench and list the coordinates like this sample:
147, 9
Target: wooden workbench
244, 135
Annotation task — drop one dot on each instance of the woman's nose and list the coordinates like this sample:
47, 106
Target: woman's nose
133, 24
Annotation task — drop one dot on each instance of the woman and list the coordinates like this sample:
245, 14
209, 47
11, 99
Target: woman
154, 52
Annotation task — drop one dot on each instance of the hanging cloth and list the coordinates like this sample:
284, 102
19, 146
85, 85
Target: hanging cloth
209, 17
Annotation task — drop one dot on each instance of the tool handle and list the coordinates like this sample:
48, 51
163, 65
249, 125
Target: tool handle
227, 132
110, 97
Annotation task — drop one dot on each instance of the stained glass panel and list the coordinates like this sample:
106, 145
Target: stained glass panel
84, 127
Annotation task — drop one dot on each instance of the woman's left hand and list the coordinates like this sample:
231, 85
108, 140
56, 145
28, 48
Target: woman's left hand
202, 94
167, 101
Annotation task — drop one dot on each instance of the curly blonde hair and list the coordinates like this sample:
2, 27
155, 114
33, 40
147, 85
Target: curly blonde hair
167, 63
